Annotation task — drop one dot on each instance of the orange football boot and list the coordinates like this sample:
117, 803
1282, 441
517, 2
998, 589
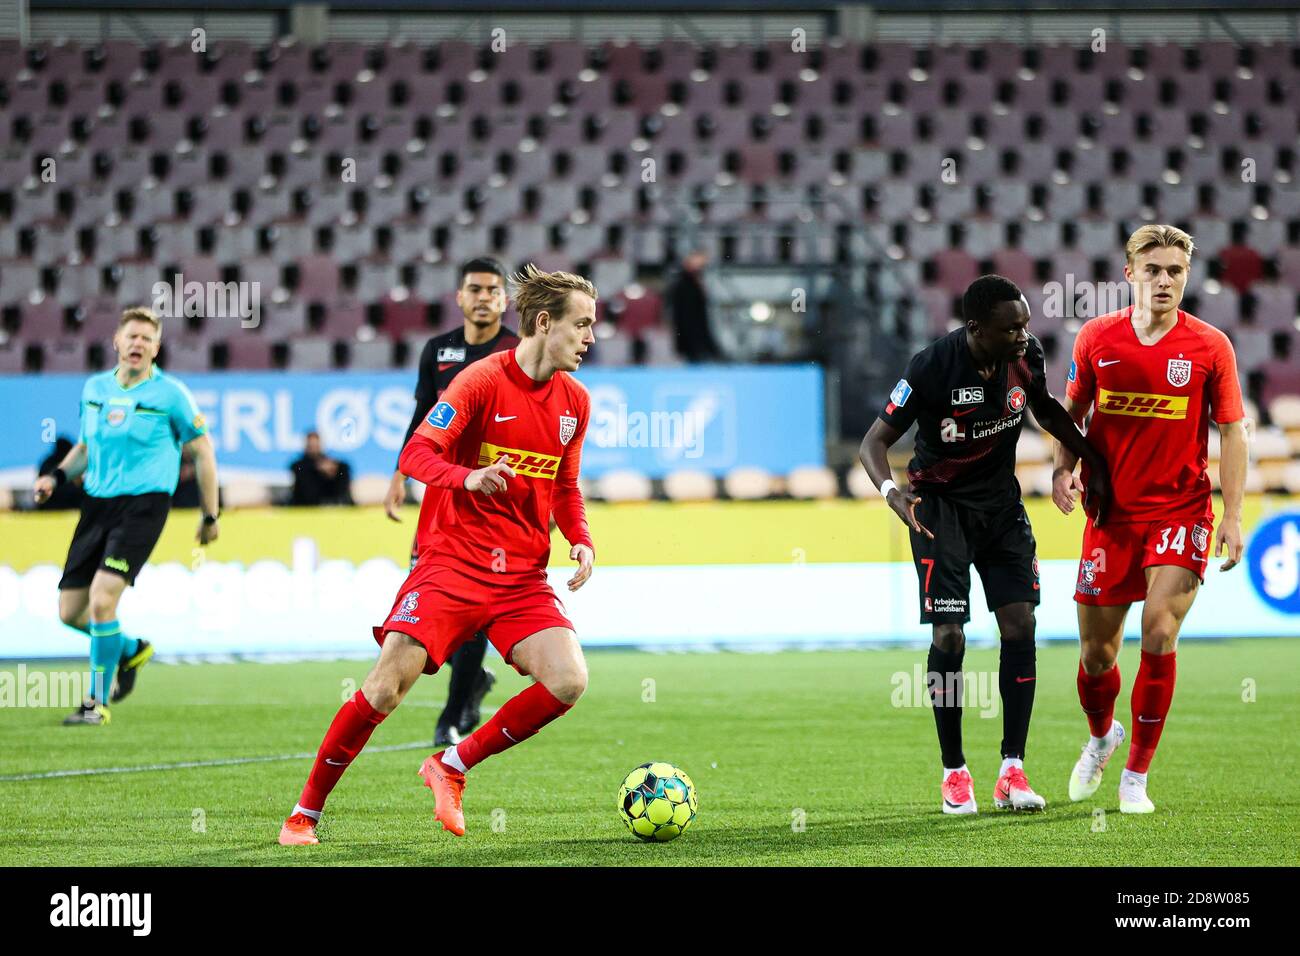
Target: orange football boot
298, 830
447, 785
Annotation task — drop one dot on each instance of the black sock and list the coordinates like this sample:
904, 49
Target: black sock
944, 678
1017, 673
466, 664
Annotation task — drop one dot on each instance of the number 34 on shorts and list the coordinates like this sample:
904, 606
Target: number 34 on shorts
1112, 568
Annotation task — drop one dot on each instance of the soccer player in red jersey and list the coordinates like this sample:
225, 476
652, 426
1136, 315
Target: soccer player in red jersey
506, 439
1155, 377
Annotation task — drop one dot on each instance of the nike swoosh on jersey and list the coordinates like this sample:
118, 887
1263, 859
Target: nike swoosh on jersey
505, 418
957, 414
1101, 363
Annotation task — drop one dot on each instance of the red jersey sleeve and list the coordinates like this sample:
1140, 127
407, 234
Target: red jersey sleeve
423, 458
1081, 384
566, 502
1225, 387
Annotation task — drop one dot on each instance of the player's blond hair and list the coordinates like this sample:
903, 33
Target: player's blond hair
1152, 236
141, 314
536, 291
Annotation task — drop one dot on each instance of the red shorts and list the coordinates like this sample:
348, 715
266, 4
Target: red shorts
443, 608
1112, 569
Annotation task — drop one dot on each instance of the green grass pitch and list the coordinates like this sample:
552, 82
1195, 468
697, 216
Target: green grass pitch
799, 758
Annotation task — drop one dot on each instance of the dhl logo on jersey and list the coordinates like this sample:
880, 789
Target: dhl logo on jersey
529, 463
1142, 405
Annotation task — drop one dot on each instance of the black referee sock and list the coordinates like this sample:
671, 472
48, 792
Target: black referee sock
944, 680
1017, 677
466, 664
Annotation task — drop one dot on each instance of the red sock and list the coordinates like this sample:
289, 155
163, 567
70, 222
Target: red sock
519, 718
348, 733
1153, 692
1097, 695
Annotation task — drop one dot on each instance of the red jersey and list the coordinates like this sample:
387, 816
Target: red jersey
492, 409
1153, 406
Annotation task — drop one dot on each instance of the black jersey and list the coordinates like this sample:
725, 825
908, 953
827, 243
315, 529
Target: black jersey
442, 360
967, 427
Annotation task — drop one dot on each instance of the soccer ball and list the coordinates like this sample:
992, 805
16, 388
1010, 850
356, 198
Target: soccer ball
657, 802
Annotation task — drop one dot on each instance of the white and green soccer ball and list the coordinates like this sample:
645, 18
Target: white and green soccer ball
657, 802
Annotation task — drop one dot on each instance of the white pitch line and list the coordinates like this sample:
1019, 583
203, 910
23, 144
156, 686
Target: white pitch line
195, 764
192, 764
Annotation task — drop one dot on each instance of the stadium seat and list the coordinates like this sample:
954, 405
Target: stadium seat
370, 490
749, 484
859, 483
245, 493
812, 482
690, 485
624, 486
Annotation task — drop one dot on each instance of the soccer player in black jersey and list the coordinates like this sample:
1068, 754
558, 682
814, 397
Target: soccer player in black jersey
482, 298
968, 393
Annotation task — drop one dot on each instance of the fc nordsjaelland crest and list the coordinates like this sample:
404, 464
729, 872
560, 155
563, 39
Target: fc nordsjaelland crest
568, 426
1200, 537
1180, 372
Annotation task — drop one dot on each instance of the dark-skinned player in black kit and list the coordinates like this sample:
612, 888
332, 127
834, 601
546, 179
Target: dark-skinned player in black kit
481, 296
967, 393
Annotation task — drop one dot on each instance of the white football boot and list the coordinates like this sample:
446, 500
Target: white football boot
1133, 793
1085, 778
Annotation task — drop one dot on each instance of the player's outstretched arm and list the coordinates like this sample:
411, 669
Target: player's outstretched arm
1233, 457
874, 455
1061, 425
73, 464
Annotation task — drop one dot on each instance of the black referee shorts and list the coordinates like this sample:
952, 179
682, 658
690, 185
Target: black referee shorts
999, 543
114, 534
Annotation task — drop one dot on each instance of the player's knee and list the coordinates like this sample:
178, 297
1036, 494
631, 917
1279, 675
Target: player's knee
1096, 659
70, 616
382, 693
1019, 631
949, 638
1160, 637
568, 683
103, 607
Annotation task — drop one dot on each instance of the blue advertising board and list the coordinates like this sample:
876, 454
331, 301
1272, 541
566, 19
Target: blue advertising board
1273, 561
651, 420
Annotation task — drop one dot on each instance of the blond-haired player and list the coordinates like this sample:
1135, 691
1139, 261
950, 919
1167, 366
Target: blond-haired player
1154, 378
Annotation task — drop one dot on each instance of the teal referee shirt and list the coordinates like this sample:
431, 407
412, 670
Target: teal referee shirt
134, 435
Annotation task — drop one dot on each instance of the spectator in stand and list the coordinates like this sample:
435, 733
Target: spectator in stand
1242, 265
690, 308
319, 479
68, 495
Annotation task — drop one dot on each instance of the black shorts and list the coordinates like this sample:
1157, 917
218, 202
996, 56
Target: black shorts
114, 534
999, 543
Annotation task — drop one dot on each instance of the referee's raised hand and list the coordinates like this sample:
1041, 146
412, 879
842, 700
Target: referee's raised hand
904, 504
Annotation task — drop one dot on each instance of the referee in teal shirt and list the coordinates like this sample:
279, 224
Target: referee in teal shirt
134, 422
